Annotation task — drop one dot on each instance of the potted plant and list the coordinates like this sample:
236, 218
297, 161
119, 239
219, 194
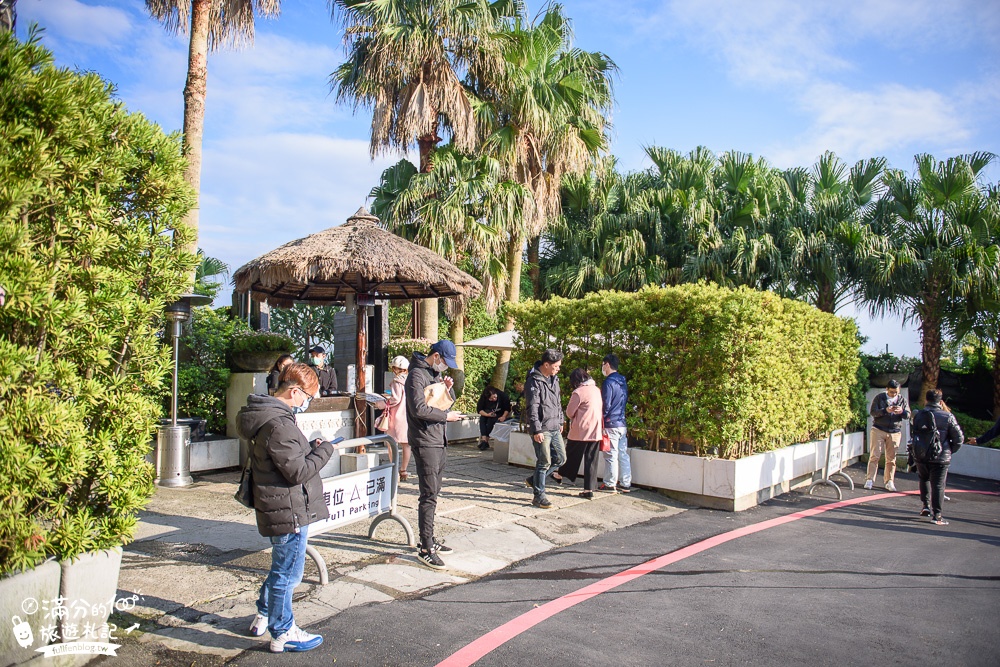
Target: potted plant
256, 351
887, 366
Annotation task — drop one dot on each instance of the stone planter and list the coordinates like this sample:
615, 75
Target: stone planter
92, 577
16, 591
983, 462
882, 379
256, 362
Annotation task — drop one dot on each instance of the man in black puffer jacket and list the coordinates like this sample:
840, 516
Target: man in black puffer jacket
934, 471
287, 497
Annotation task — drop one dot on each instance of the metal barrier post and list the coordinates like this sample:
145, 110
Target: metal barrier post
366, 509
835, 444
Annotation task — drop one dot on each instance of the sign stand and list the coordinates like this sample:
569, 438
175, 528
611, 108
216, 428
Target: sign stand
835, 444
359, 495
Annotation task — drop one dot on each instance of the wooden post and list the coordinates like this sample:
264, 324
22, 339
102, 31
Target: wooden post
360, 405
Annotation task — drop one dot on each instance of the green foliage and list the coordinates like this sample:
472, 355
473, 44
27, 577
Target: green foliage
248, 340
880, 364
91, 199
307, 325
207, 269
859, 402
479, 363
973, 428
741, 370
203, 375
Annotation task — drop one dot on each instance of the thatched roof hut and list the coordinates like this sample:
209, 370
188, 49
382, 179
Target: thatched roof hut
358, 257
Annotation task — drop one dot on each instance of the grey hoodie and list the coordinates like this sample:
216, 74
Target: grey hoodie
543, 407
287, 490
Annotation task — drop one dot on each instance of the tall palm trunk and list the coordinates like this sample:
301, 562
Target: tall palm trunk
515, 254
427, 311
930, 344
826, 300
996, 376
194, 106
534, 269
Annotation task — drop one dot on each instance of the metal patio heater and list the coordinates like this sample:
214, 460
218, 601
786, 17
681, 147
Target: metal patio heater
173, 442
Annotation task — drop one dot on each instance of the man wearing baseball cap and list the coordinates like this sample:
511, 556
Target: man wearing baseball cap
428, 441
327, 376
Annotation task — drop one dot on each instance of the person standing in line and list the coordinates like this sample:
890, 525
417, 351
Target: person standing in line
586, 415
933, 471
287, 497
396, 407
617, 462
544, 417
889, 409
283, 362
493, 407
326, 375
428, 441
991, 433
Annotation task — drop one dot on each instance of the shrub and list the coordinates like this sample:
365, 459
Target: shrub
261, 341
973, 428
888, 363
740, 370
91, 199
203, 375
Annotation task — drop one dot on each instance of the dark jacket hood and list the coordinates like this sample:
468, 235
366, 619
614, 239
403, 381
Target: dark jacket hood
258, 411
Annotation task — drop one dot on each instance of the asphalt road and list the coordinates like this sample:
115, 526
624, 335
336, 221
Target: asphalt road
868, 583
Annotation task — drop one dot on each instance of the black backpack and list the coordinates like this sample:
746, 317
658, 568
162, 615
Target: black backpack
926, 441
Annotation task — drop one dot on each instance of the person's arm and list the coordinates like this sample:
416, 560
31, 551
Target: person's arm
396, 394
531, 406
481, 407
989, 435
955, 435
286, 450
333, 380
574, 405
415, 385
607, 396
877, 411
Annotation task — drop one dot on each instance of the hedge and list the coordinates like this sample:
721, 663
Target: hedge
708, 367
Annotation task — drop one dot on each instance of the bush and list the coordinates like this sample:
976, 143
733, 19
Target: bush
740, 370
888, 363
973, 428
91, 199
247, 340
203, 376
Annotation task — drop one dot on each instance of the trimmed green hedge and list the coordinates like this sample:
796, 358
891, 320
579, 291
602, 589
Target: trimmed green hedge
740, 370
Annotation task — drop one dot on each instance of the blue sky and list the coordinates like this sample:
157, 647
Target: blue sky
784, 79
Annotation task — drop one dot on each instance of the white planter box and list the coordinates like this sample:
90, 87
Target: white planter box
975, 461
39, 584
521, 452
215, 454
463, 429
720, 483
92, 577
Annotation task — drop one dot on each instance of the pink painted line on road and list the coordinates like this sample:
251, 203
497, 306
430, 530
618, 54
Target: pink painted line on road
472, 652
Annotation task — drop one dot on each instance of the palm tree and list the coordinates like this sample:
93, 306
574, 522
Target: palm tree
547, 116
8, 15
405, 63
207, 269
211, 24
934, 245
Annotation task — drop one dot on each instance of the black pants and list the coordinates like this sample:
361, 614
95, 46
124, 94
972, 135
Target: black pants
932, 478
486, 425
575, 451
430, 468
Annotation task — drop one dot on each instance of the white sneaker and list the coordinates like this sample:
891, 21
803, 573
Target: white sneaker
889, 486
295, 639
259, 625
868, 485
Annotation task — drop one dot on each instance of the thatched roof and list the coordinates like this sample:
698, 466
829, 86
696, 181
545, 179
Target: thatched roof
358, 257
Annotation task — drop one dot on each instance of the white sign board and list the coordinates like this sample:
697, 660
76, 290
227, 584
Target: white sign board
326, 425
355, 496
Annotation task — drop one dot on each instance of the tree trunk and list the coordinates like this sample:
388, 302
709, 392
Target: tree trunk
515, 257
456, 330
428, 322
826, 300
534, 270
194, 108
930, 343
996, 377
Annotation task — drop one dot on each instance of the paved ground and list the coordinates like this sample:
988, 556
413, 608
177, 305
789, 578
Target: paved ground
840, 586
867, 583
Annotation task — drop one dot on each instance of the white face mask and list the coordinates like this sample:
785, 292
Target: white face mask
305, 405
440, 367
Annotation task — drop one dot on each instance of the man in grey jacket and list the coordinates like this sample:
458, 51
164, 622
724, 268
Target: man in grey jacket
428, 441
544, 417
889, 409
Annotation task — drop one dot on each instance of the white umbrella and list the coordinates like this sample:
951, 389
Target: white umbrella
505, 340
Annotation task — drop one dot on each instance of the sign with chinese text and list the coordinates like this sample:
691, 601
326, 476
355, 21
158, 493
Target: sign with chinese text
355, 496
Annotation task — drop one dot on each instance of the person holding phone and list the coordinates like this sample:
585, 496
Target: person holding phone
493, 407
888, 409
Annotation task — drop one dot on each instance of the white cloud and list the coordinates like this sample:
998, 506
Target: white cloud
856, 124
97, 25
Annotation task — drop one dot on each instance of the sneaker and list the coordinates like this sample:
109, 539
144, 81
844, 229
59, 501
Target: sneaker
530, 481
868, 485
606, 488
442, 548
259, 625
624, 489
295, 639
586, 495
939, 520
483, 446
542, 503
925, 511
431, 559
889, 486
947, 497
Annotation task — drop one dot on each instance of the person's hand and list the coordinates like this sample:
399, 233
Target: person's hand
381, 405
454, 416
538, 437
972, 441
448, 382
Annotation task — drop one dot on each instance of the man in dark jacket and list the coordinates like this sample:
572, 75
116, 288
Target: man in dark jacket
287, 495
991, 433
428, 439
934, 472
326, 375
889, 409
544, 417
617, 463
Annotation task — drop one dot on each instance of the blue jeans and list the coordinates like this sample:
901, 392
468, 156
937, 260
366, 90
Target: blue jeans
288, 560
550, 453
617, 460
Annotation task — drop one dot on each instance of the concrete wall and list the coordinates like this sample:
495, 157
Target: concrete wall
976, 462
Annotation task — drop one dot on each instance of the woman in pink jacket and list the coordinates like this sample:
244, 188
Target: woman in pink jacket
586, 414
395, 405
